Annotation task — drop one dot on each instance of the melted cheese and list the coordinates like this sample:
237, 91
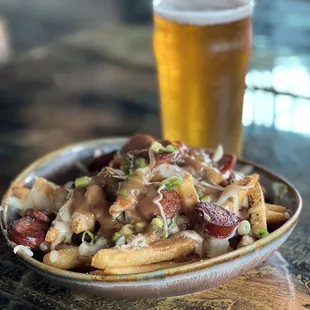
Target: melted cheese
23, 248
215, 246
63, 225
218, 153
156, 201
198, 240
139, 241
53, 256
85, 249
218, 246
43, 246
232, 191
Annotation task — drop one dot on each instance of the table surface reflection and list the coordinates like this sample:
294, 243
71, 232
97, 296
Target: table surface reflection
102, 82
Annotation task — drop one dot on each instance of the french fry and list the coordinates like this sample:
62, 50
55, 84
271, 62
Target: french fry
246, 240
66, 258
92, 204
56, 194
257, 210
188, 194
138, 269
20, 192
51, 234
212, 174
276, 217
160, 251
82, 222
275, 208
248, 181
209, 173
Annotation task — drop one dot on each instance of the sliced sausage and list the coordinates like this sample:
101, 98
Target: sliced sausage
227, 162
170, 203
28, 231
40, 215
215, 220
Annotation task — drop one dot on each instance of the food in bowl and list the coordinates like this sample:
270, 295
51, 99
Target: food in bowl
151, 205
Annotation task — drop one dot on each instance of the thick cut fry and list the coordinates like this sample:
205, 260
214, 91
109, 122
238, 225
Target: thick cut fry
275, 208
20, 192
205, 171
232, 193
82, 222
163, 250
65, 259
257, 211
188, 194
138, 269
276, 217
51, 234
212, 174
246, 240
56, 194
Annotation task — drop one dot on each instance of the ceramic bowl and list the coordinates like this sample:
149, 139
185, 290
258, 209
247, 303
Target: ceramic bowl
63, 165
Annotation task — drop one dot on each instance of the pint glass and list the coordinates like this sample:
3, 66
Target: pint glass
202, 48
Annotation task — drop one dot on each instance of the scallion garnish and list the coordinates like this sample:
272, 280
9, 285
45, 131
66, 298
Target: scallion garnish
172, 182
171, 225
199, 193
116, 236
81, 182
261, 233
140, 162
91, 236
170, 148
158, 147
157, 222
120, 241
123, 193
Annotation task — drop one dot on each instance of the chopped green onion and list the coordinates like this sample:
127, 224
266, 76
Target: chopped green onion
156, 147
123, 193
165, 235
83, 181
92, 237
172, 182
157, 222
127, 169
205, 199
244, 228
116, 236
140, 162
120, 241
171, 225
170, 148
199, 193
261, 233
70, 191
126, 230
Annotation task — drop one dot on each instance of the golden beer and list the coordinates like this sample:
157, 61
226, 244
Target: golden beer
202, 58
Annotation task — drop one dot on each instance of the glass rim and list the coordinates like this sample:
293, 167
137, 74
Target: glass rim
204, 17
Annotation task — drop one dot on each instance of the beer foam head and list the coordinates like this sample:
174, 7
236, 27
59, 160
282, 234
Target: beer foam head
203, 12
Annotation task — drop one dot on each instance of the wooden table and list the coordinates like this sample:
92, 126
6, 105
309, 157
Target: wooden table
79, 89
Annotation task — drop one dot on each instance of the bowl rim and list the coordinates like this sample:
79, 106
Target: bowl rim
184, 269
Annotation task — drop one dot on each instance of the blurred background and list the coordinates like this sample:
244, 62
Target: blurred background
73, 69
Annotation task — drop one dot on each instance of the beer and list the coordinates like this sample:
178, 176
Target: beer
202, 50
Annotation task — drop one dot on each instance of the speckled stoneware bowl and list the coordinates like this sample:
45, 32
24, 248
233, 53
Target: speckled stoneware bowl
62, 166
